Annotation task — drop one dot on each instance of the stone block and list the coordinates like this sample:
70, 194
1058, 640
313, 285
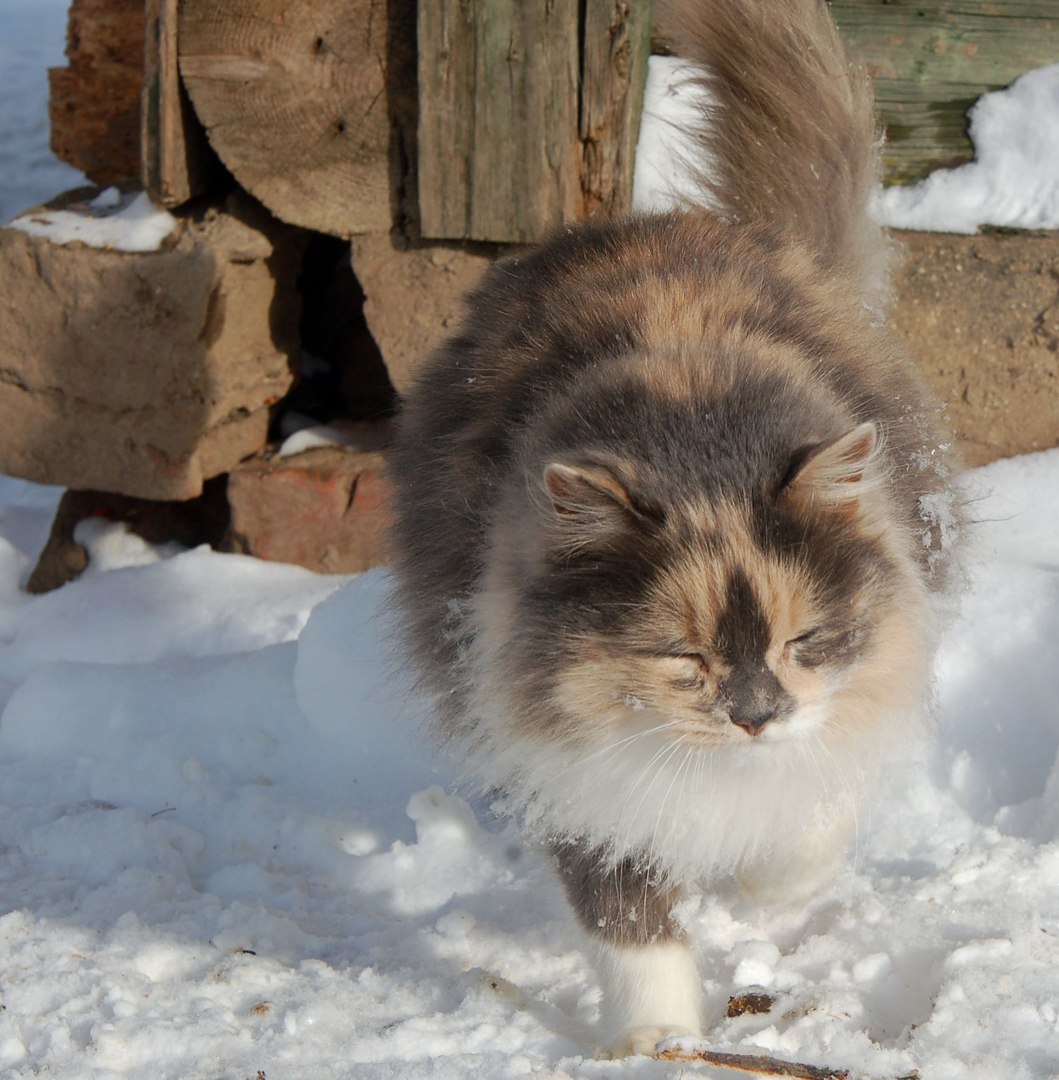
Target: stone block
413, 294
95, 100
979, 314
327, 509
146, 373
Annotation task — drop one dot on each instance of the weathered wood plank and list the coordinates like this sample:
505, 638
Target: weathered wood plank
445, 30
176, 161
931, 59
499, 156
617, 41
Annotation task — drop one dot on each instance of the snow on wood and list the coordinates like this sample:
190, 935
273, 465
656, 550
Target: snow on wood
931, 60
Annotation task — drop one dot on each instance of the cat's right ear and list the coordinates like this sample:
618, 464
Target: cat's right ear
588, 496
838, 471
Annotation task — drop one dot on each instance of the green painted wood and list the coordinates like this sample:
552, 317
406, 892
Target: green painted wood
932, 59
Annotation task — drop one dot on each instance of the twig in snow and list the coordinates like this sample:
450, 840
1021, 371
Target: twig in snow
760, 1064
754, 1063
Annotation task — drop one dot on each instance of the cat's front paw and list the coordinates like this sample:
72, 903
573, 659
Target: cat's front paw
650, 992
642, 1041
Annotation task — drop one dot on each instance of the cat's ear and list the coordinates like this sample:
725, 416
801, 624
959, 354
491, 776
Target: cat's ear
590, 496
836, 471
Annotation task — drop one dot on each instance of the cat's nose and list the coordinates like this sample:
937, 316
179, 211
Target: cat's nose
753, 697
753, 723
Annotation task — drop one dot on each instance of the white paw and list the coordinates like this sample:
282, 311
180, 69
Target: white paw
649, 993
641, 1041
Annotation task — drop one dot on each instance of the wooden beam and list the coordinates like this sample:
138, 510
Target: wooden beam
298, 100
931, 59
499, 156
177, 163
617, 42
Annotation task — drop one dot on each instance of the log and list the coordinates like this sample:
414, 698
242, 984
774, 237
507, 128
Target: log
932, 59
301, 102
146, 373
177, 163
95, 100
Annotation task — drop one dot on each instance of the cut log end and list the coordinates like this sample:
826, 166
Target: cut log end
295, 101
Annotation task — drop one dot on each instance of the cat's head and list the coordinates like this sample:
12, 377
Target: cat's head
736, 620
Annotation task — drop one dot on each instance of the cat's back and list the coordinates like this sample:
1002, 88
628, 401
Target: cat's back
682, 287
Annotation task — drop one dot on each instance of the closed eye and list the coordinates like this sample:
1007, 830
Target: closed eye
801, 639
695, 658
685, 669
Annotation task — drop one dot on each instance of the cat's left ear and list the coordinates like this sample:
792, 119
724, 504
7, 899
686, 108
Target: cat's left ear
589, 496
836, 471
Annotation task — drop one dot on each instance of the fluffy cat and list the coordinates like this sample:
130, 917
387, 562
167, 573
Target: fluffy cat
659, 540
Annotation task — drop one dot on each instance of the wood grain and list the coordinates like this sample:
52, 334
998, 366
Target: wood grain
499, 155
617, 42
294, 96
931, 59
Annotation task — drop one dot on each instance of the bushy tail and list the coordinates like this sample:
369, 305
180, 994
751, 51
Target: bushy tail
790, 137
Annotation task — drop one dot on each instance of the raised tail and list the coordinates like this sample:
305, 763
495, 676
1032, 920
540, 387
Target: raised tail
790, 137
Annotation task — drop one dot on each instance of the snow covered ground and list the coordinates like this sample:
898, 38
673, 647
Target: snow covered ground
227, 849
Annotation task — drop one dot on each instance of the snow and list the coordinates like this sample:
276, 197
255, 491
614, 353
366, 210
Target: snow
662, 178
227, 843
1014, 179
229, 848
113, 221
